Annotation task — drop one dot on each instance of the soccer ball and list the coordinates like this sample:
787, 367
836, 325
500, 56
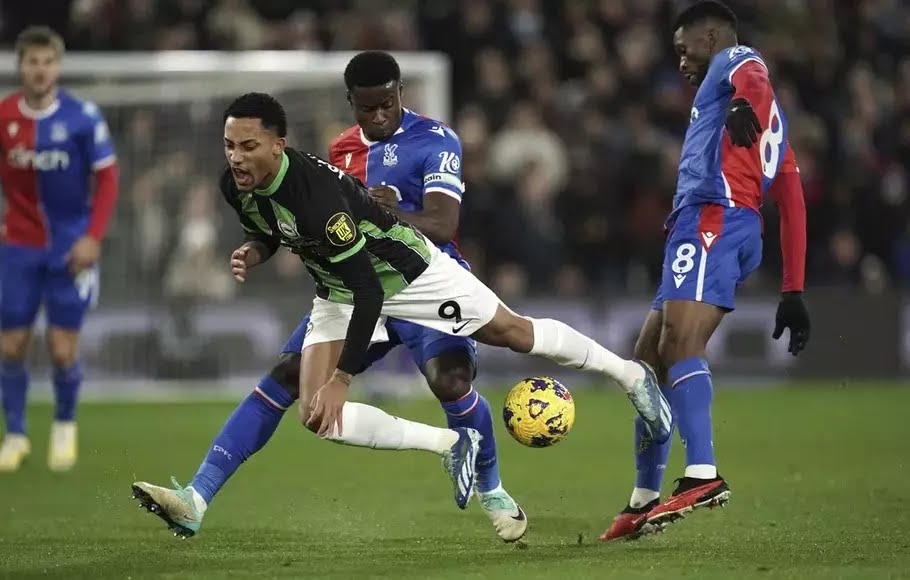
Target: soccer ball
539, 412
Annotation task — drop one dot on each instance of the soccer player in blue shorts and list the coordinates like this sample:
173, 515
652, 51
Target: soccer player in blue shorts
414, 164
735, 151
54, 146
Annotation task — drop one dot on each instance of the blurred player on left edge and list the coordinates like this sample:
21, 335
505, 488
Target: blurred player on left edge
52, 145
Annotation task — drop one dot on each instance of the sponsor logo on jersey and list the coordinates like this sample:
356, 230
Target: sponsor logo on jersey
449, 162
389, 158
51, 160
438, 130
340, 229
12, 128
347, 159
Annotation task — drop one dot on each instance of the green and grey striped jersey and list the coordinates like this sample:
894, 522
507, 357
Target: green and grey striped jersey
326, 216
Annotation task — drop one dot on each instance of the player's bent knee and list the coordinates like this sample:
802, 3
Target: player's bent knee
677, 344
287, 373
450, 376
14, 345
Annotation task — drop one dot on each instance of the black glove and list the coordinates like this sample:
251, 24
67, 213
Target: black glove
792, 314
742, 123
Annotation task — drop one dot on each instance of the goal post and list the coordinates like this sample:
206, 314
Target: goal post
165, 111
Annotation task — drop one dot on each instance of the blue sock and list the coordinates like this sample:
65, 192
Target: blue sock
692, 394
66, 390
473, 411
650, 462
14, 384
245, 432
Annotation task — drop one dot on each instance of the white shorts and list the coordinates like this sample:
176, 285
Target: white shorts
446, 297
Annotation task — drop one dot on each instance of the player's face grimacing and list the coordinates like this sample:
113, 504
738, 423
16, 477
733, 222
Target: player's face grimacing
39, 70
377, 109
252, 151
694, 46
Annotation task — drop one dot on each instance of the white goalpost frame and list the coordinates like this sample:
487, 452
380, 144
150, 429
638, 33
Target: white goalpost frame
320, 68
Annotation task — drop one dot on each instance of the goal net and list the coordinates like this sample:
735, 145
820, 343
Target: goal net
168, 307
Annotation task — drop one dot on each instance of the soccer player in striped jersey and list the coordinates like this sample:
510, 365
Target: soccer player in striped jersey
59, 177
369, 266
735, 151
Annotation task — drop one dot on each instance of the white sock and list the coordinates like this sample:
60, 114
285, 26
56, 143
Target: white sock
200, 502
366, 426
701, 471
564, 345
642, 497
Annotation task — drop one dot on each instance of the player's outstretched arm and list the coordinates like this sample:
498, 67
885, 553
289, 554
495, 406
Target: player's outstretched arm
787, 193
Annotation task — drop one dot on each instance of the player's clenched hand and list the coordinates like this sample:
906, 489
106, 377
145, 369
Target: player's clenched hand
385, 195
243, 257
742, 123
83, 255
793, 314
327, 404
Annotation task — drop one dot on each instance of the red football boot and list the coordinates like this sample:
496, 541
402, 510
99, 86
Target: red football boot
690, 494
631, 524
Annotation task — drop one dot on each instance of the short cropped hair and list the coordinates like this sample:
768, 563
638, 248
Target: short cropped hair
372, 68
260, 106
42, 36
703, 10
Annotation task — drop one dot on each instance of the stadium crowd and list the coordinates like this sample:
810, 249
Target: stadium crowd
571, 116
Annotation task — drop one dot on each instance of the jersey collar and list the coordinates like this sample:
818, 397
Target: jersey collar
408, 117
276, 183
35, 114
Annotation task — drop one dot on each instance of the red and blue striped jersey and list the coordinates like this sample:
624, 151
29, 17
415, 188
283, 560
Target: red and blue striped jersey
711, 168
48, 160
423, 156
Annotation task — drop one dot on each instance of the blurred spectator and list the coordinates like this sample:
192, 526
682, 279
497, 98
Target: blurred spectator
571, 116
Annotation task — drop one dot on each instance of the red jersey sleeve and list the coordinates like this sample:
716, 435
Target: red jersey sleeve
750, 81
787, 192
106, 189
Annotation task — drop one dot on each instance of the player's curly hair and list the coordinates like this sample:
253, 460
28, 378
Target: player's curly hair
371, 68
260, 106
704, 9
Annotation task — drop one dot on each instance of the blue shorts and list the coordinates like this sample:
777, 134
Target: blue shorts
32, 277
423, 343
711, 249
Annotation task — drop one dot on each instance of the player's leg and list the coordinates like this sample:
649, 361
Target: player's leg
710, 251
22, 287
448, 298
245, 432
449, 365
368, 426
650, 458
67, 301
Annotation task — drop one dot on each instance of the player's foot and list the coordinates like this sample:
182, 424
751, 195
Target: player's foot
181, 508
643, 390
508, 518
690, 494
13, 451
631, 524
63, 449
459, 462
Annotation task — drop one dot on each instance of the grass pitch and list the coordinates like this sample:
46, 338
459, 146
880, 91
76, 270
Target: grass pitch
820, 478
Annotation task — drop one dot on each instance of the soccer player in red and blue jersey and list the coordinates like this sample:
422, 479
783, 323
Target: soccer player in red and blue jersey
59, 178
735, 151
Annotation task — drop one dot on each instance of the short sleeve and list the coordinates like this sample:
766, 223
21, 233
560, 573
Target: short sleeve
442, 163
100, 147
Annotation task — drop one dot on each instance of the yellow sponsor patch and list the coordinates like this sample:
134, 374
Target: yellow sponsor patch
340, 229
